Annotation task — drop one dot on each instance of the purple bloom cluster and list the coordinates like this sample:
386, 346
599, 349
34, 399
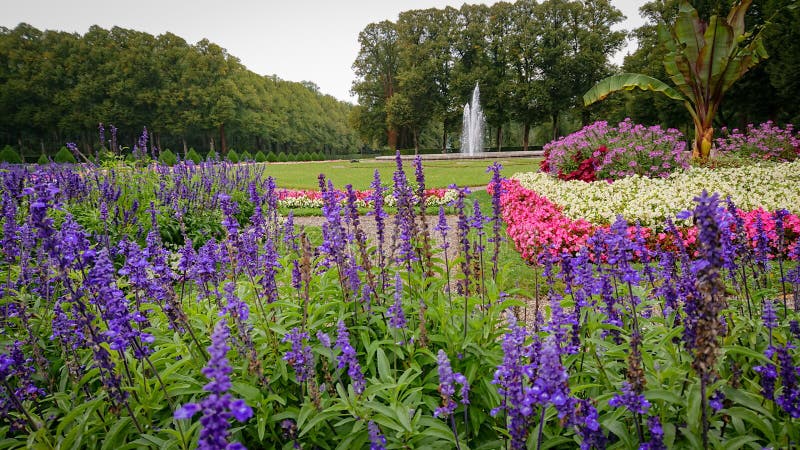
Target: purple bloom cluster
348, 359
397, 317
447, 380
300, 356
376, 439
219, 406
632, 149
765, 141
656, 435
630, 399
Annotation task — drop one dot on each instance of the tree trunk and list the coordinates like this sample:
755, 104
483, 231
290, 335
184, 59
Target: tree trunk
211, 144
185, 148
444, 136
526, 130
555, 125
416, 142
703, 139
223, 143
499, 138
392, 139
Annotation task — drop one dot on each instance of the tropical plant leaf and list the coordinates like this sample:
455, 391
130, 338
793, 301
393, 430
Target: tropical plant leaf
627, 82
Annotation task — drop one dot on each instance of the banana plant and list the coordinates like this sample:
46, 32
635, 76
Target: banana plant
703, 61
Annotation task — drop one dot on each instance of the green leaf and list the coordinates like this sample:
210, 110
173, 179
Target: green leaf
113, 437
319, 417
384, 370
739, 442
664, 395
627, 82
761, 423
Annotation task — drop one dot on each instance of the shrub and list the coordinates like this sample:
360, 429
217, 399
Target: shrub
601, 152
9, 155
319, 156
765, 142
272, 157
64, 156
193, 156
43, 159
260, 157
282, 157
168, 158
245, 156
232, 156
212, 156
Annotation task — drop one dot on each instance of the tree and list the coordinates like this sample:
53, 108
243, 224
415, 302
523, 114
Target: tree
376, 68
703, 61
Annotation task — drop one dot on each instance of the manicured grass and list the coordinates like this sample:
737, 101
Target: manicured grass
438, 174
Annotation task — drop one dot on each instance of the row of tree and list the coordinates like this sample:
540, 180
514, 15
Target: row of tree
534, 61
56, 87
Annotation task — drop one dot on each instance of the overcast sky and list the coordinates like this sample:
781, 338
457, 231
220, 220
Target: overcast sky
297, 40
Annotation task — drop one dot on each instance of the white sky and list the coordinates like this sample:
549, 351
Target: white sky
297, 40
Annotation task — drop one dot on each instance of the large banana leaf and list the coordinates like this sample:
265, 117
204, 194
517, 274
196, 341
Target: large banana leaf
627, 82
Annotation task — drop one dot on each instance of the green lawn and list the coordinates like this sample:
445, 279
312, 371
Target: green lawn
438, 174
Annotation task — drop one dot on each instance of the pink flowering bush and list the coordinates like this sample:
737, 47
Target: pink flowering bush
766, 142
602, 152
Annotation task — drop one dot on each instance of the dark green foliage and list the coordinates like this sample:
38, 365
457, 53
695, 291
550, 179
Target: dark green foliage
43, 159
245, 156
9, 155
167, 157
260, 157
64, 156
192, 155
212, 156
272, 157
146, 73
232, 156
319, 156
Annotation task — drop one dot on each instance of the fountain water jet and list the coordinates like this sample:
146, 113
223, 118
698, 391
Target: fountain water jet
472, 130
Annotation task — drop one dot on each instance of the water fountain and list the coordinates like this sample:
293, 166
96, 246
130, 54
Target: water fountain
471, 138
473, 125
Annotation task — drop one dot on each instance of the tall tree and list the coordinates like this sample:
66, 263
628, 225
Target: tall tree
376, 68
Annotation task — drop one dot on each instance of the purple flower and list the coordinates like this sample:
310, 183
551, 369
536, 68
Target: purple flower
716, 400
219, 405
656, 435
300, 356
376, 439
348, 358
397, 317
447, 380
789, 398
509, 378
630, 399
324, 339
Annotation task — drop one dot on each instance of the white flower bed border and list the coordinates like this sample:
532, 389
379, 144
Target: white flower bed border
652, 200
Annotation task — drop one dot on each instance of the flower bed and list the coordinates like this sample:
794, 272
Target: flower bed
602, 152
764, 142
575, 208
293, 198
258, 338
